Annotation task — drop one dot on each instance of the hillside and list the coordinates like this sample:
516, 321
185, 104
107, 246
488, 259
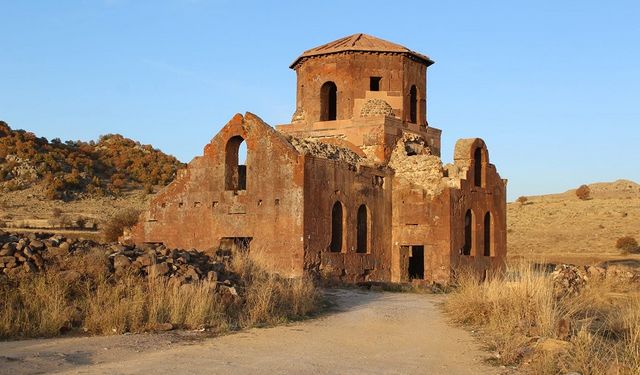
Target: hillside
75, 185
75, 169
561, 227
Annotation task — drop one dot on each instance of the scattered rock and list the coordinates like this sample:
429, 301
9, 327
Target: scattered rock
20, 254
121, 262
159, 269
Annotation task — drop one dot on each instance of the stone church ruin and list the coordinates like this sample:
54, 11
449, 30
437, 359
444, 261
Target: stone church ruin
353, 189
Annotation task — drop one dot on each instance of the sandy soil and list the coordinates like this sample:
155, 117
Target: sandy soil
365, 333
563, 228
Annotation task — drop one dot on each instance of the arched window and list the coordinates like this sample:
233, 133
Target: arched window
328, 101
235, 174
337, 218
468, 233
413, 105
477, 167
487, 234
363, 230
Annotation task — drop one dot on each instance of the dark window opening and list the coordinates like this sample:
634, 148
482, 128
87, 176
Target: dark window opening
413, 105
374, 83
234, 245
477, 167
328, 101
363, 235
235, 174
468, 234
487, 234
416, 263
336, 227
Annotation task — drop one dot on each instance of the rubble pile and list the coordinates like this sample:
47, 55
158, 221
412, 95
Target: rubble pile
413, 163
329, 151
569, 279
22, 254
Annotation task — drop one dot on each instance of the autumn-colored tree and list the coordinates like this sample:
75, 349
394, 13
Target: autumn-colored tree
73, 167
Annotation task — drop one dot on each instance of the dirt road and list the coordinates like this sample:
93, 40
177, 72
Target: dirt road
368, 333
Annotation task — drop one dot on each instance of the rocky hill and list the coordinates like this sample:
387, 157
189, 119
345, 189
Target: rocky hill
562, 227
75, 169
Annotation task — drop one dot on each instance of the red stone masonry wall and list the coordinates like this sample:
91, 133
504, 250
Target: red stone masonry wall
196, 211
328, 181
350, 71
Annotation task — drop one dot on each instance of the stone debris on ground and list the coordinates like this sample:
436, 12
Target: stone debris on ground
22, 254
569, 280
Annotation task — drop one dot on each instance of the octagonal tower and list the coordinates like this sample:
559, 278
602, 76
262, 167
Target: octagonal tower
362, 91
336, 80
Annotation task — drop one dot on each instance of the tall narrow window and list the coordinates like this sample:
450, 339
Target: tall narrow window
336, 227
363, 230
235, 174
374, 83
328, 101
413, 105
468, 233
487, 234
477, 167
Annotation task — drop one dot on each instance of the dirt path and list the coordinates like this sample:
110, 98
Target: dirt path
369, 333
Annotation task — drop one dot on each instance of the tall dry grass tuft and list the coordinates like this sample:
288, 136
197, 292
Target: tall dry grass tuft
89, 297
529, 324
270, 298
34, 307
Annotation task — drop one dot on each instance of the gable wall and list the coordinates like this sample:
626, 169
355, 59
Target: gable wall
196, 211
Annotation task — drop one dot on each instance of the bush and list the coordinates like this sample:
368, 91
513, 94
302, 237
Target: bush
583, 192
115, 226
522, 200
627, 244
81, 222
56, 212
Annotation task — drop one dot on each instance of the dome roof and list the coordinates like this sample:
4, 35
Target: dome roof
361, 43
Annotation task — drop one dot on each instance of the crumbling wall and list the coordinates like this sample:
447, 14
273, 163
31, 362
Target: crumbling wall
412, 162
420, 210
197, 210
488, 197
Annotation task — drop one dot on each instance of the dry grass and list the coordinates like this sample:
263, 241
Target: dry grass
87, 297
527, 324
272, 299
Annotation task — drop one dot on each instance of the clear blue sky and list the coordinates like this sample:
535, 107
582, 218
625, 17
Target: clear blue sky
552, 86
